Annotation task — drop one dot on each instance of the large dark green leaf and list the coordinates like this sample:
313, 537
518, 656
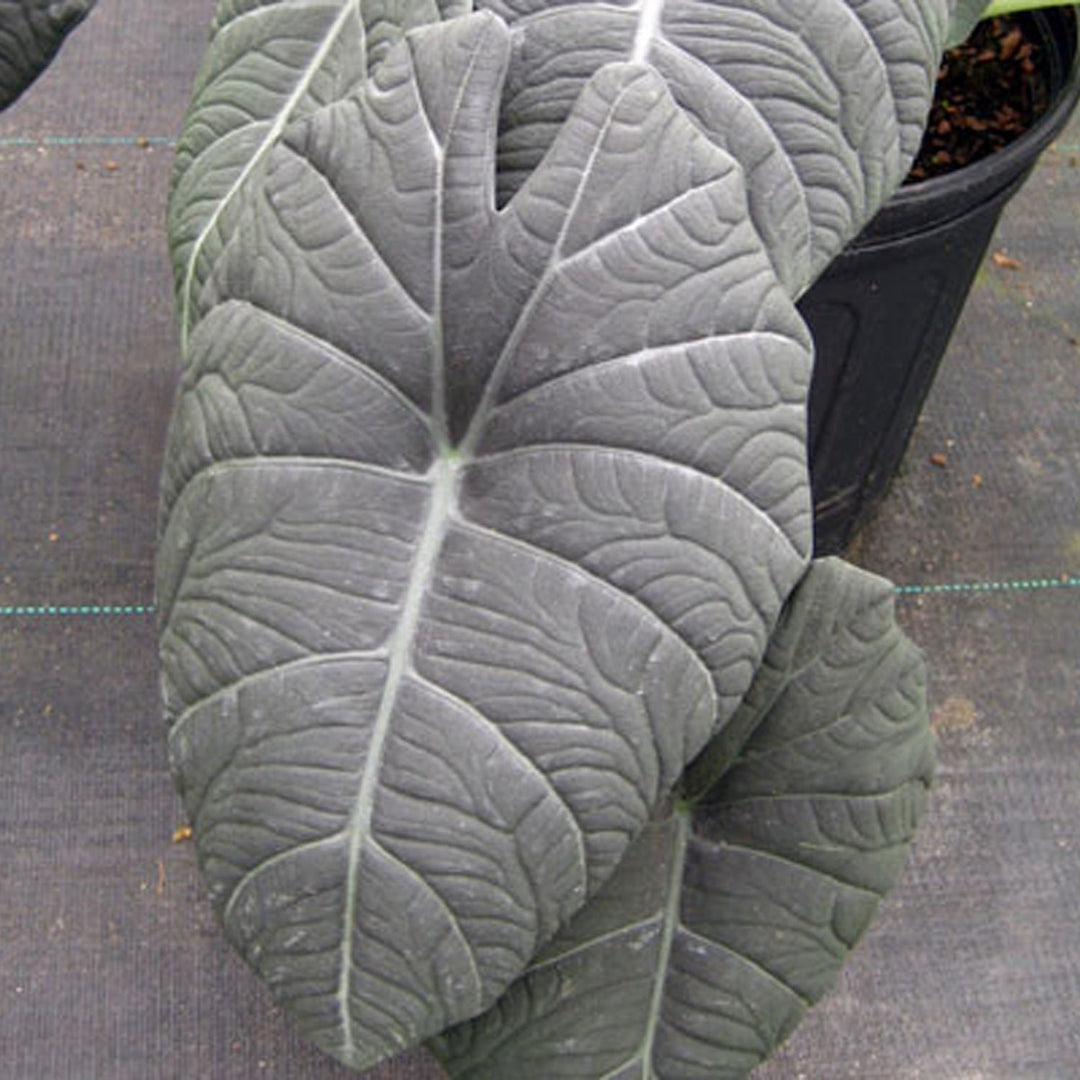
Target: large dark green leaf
476, 524
727, 920
31, 33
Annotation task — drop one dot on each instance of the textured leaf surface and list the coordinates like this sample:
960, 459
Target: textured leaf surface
476, 523
31, 32
720, 929
269, 62
822, 102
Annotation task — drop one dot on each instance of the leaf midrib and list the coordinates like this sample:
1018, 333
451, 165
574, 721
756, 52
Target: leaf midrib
650, 13
672, 922
445, 475
444, 482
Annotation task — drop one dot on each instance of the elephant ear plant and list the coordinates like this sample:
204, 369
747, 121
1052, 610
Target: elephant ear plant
31, 33
484, 492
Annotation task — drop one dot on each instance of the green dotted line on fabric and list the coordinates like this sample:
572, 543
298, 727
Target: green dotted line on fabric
142, 141
78, 609
1023, 585
1026, 585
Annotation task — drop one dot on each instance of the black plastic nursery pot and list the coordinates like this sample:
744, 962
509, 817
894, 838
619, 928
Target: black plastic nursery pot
883, 312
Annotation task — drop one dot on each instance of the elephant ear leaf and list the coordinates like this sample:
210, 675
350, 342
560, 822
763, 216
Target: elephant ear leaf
31, 33
732, 915
475, 525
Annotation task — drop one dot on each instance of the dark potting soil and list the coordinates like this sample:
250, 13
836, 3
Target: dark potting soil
990, 90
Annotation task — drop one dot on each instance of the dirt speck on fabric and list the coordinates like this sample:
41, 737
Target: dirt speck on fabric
953, 715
